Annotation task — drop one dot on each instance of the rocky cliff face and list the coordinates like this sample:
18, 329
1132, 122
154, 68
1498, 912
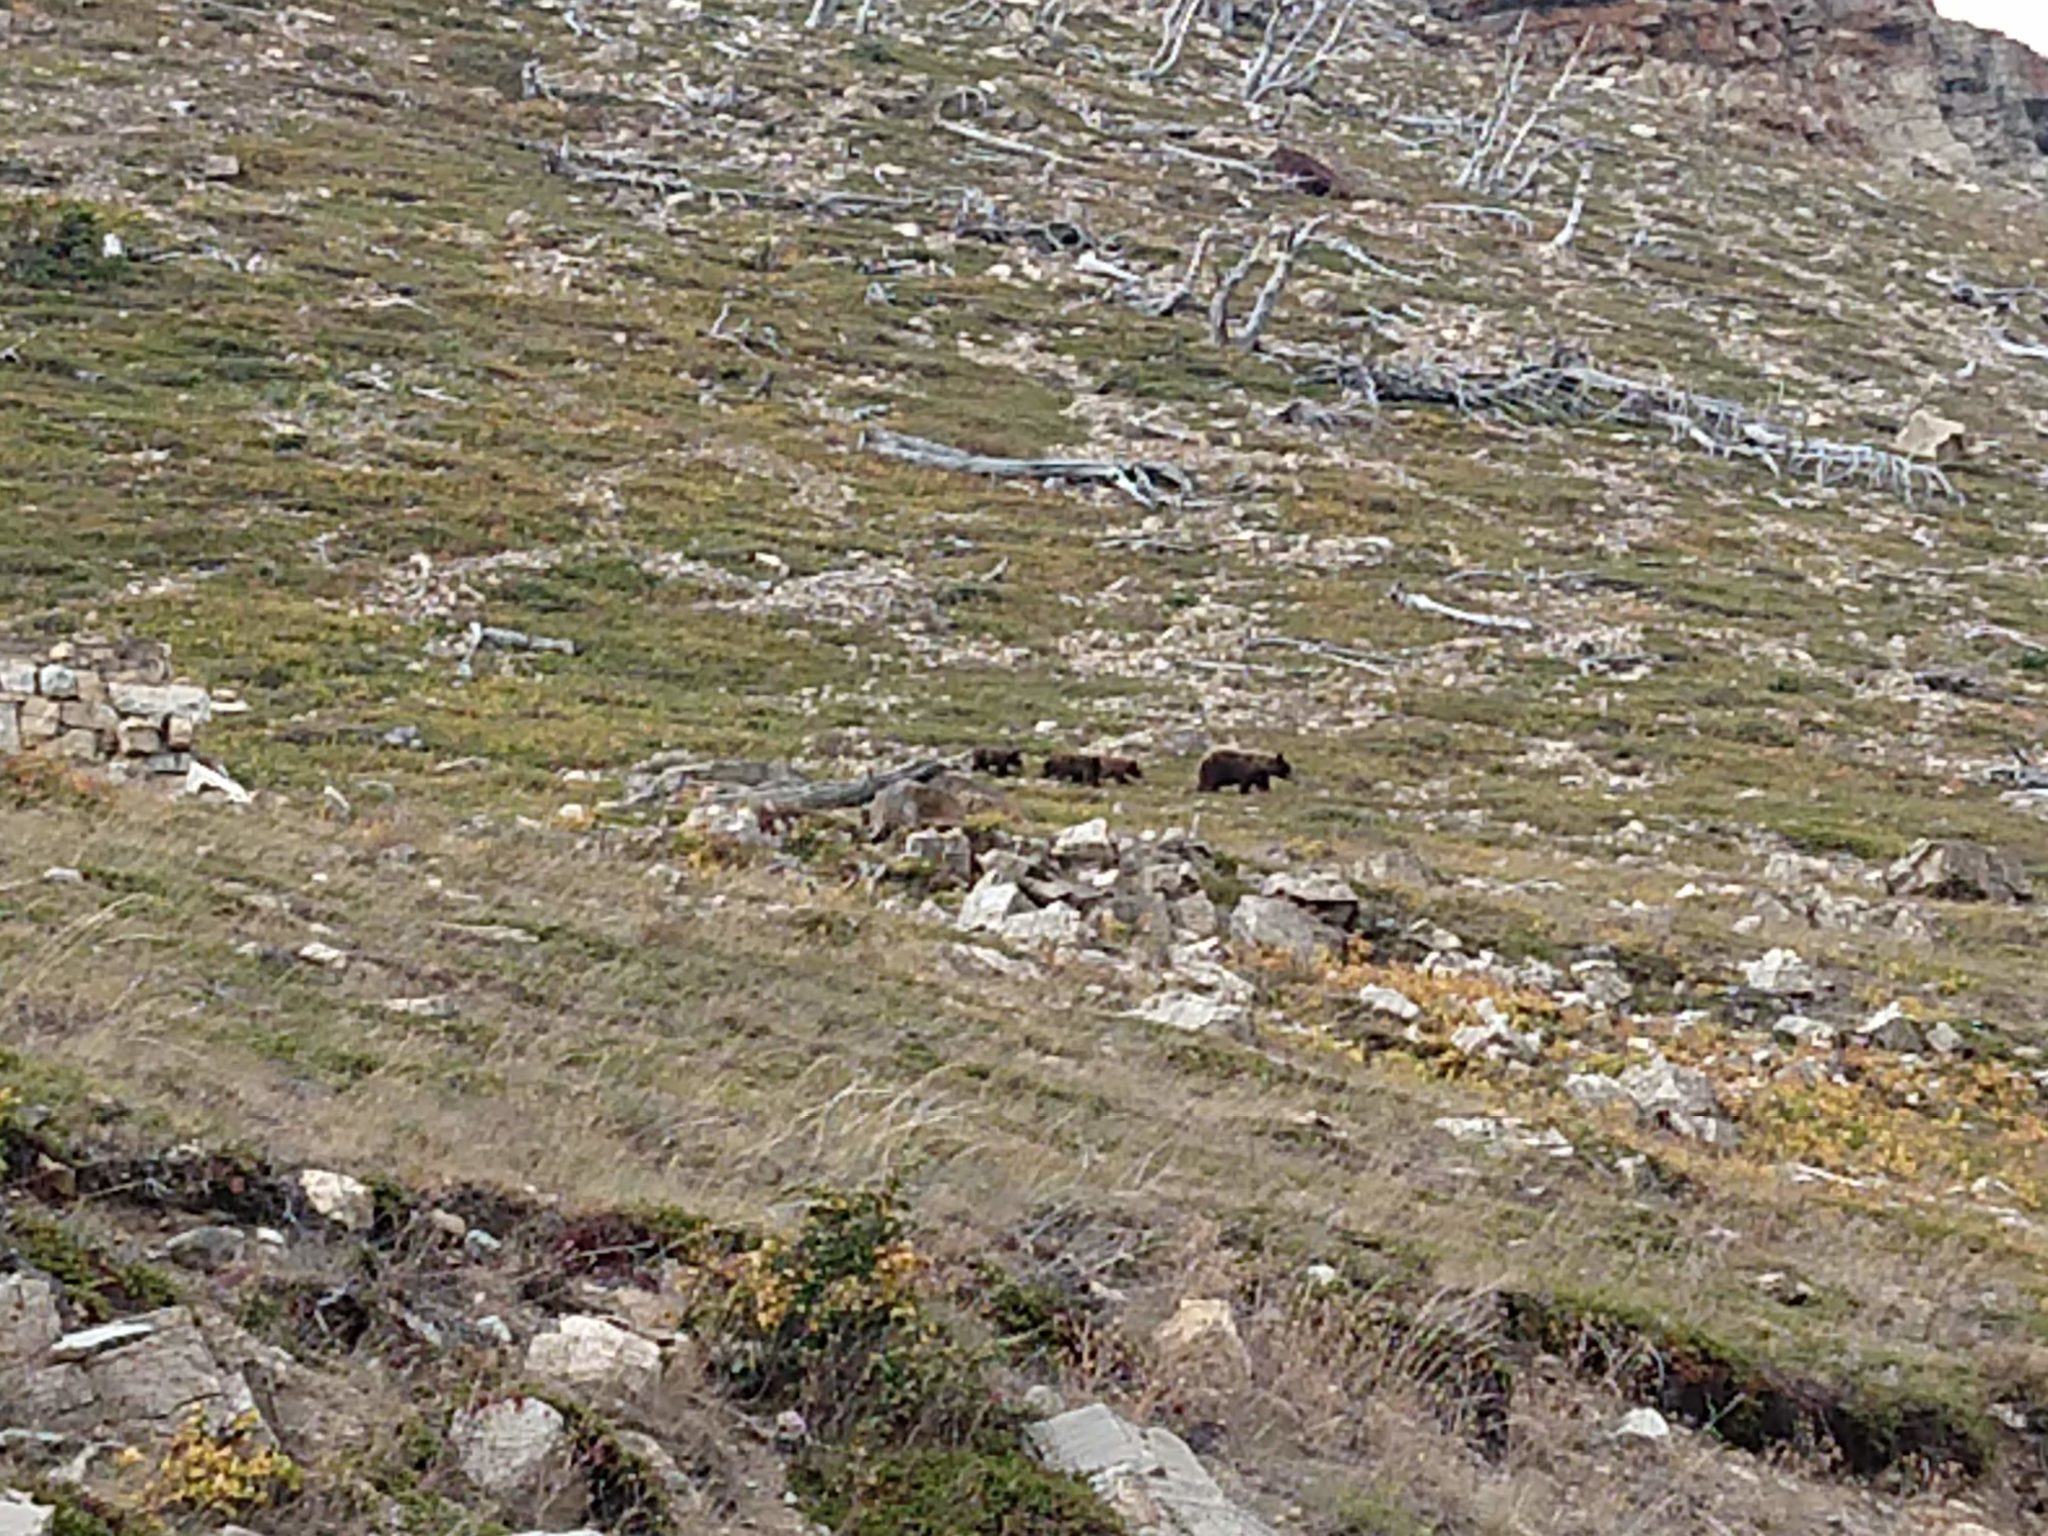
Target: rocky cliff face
1890, 74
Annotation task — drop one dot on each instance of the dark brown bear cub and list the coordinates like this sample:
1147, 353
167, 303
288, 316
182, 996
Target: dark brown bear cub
998, 762
1074, 767
1121, 770
1247, 771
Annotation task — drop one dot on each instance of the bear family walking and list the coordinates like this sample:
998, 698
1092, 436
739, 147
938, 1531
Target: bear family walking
1225, 768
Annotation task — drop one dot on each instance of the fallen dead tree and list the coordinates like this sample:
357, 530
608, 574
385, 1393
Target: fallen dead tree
1561, 391
1144, 482
776, 788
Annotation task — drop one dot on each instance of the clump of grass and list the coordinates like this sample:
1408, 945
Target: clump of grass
99, 1286
57, 245
835, 1321
954, 1493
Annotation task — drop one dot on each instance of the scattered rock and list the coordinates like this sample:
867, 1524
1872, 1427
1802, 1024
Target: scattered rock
1642, 1424
949, 851
1396, 866
1504, 1133
731, 822
1798, 1029
1325, 896
595, 1359
1495, 1036
1890, 1030
1196, 1014
1603, 983
1678, 1099
207, 1249
1268, 922
1050, 927
1945, 1039
1394, 1004
1593, 1090
908, 805
1959, 871
993, 901
344, 1201
1087, 842
1781, 973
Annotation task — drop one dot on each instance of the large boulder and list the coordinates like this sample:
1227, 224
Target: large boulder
517, 1451
1086, 843
1678, 1099
908, 805
595, 1360
1195, 1014
1952, 870
1272, 922
1323, 895
1049, 927
994, 900
1781, 973
947, 850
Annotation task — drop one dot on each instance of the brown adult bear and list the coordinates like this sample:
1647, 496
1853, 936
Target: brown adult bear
1246, 770
1121, 770
1074, 767
998, 762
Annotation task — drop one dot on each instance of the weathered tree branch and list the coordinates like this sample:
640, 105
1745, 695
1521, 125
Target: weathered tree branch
1574, 391
1144, 482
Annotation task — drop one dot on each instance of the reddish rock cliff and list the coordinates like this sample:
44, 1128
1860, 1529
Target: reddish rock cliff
1889, 74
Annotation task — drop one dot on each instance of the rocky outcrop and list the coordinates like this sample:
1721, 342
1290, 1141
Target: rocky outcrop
1890, 75
91, 701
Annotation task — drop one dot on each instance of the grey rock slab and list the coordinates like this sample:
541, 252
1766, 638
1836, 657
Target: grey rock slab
1270, 922
21, 1515
29, 1323
159, 701
1954, 870
506, 1446
1148, 1476
1194, 1013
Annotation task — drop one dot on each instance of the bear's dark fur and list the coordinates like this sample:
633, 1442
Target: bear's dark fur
1246, 771
1074, 767
998, 762
1308, 174
1121, 770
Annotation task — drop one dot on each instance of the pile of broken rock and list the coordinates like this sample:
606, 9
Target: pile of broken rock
109, 704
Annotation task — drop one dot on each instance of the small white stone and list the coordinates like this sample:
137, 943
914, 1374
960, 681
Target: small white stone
1642, 1424
342, 1200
